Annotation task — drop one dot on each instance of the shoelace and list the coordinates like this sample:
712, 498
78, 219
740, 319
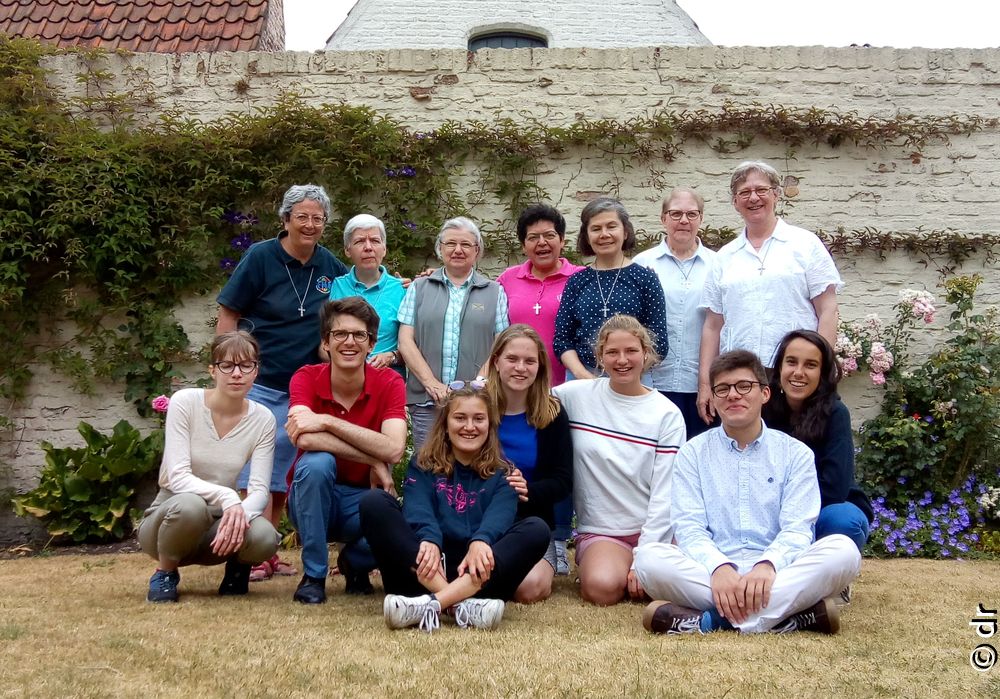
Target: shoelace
464, 614
430, 618
688, 624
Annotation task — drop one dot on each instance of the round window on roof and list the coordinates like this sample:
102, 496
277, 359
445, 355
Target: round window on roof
507, 40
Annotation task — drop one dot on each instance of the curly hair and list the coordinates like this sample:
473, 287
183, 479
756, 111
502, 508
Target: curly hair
437, 457
542, 405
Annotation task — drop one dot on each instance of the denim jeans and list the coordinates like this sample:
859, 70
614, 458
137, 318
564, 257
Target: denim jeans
843, 518
323, 510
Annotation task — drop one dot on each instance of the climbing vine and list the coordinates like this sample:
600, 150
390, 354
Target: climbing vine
108, 222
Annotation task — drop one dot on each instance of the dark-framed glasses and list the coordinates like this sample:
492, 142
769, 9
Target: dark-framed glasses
360, 336
761, 192
721, 390
227, 367
475, 385
676, 215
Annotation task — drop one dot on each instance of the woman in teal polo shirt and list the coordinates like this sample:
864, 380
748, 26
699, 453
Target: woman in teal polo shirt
365, 247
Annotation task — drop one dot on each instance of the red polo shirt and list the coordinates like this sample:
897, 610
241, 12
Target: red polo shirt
382, 398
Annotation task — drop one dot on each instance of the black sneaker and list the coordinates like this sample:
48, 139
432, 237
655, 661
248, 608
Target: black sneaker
163, 586
310, 590
823, 617
236, 580
669, 618
354, 583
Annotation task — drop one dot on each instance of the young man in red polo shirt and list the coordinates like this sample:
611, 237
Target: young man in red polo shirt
348, 420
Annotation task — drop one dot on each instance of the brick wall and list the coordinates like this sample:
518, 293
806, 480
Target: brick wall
953, 184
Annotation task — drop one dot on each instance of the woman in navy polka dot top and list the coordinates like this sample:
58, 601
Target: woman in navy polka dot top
612, 284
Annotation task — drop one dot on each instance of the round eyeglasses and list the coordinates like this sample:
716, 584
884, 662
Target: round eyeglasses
229, 367
721, 390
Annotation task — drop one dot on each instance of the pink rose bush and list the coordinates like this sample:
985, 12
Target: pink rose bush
160, 404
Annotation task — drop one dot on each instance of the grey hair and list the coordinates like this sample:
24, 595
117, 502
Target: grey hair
460, 223
677, 191
298, 193
362, 221
743, 170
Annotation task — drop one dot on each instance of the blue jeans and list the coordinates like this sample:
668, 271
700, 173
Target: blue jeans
843, 518
324, 510
284, 451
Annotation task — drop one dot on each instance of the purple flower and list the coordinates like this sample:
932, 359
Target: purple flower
241, 242
390, 172
233, 217
227, 264
928, 419
901, 480
945, 552
408, 171
927, 499
410, 224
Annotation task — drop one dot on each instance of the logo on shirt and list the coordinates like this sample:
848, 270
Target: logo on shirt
324, 284
478, 307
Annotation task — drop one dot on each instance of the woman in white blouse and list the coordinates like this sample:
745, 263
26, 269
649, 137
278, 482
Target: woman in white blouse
772, 279
198, 517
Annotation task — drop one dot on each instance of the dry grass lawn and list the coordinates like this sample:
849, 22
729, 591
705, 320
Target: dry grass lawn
79, 626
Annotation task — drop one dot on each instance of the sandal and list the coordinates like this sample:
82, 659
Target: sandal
280, 567
261, 571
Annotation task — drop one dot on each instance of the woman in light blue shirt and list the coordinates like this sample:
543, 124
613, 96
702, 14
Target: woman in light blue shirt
682, 263
365, 246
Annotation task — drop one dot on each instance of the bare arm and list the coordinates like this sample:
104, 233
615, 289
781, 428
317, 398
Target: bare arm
571, 360
228, 320
711, 335
828, 314
313, 432
416, 363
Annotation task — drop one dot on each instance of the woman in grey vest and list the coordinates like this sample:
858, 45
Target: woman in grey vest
447, 322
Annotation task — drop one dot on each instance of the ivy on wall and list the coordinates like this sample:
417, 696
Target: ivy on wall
109, 223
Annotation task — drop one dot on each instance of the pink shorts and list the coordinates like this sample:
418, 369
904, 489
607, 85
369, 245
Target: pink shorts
583, 542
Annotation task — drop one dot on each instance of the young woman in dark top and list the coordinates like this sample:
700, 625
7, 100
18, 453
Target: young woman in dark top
534, 435
453, 545
804, 403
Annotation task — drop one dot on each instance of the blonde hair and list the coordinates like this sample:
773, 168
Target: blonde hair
542, 405
437, 457
624, 323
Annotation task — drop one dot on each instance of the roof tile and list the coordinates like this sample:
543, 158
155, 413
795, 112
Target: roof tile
164, 26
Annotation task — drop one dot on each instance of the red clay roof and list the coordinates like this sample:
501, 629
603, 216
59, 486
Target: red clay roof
160, 26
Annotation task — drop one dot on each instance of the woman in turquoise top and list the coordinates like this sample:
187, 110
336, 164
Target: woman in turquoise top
365, 246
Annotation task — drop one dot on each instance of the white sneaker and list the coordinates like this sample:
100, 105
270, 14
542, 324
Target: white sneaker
401, 612
478, 613
844, 598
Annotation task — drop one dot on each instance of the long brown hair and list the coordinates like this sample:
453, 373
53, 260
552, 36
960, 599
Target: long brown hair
437, 457
542, 405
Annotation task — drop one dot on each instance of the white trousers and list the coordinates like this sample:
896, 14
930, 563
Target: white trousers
823, 570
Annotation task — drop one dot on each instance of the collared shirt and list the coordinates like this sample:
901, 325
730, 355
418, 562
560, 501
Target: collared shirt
741, 507
764, 295
384, 296
535, 301
682, 281
452, 321
382, 398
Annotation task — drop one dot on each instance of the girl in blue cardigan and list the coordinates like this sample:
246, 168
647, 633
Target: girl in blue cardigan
453, 544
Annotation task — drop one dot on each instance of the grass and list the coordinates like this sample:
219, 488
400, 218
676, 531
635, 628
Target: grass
79, 626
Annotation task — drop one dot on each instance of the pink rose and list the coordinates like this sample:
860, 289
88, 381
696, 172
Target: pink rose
160, 404
850, 365
878, 378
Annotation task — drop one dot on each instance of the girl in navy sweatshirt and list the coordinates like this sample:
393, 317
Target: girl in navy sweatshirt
453, 545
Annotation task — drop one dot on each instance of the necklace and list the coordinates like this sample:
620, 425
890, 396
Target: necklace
687, 264
766, 247
605, 301
538, 299
301, 297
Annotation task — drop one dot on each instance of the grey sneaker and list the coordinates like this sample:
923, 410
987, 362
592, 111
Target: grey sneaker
670, 618
401, 612
823, 617
163, 586
562, 562
473, 613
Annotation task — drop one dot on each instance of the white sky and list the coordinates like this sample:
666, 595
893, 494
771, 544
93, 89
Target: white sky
899, 23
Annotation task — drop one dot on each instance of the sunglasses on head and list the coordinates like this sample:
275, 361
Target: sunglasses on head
475, 385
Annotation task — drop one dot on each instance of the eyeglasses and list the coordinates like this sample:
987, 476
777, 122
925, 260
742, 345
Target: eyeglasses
360, 242
303, 219
761, 192
475, 385
360, 336
230, 367
678, 215
548, 237
452, 245
721, 390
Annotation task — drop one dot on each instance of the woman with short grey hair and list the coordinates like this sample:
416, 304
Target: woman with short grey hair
447, 323
772, 279
275, 293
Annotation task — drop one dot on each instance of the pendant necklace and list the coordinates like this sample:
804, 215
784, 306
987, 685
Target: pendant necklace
760, 270
538, 300
681, 267
605, 301
301, 297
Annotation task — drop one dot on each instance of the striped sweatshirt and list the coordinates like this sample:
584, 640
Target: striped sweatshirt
623, 456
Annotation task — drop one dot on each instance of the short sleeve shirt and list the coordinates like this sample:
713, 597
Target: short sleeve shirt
384, 296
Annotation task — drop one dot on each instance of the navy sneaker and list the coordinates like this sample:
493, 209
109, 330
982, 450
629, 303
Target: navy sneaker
163, 586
